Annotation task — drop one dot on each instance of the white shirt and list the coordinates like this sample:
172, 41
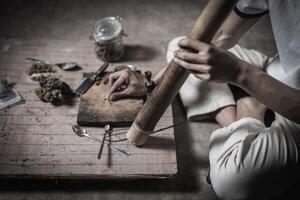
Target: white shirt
285, 20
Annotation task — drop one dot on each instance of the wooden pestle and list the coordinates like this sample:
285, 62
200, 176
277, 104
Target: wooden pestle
207, 24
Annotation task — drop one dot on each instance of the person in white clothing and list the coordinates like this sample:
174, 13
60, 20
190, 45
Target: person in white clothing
247, 159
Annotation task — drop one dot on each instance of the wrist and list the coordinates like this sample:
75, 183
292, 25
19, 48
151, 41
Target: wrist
243, 71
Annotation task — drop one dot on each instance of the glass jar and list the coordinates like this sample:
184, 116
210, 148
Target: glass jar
108, 39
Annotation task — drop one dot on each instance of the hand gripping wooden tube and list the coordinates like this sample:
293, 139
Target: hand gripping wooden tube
207, 24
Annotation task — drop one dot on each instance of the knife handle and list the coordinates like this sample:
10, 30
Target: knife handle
101, 69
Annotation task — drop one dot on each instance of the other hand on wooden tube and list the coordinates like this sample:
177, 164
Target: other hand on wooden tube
208, 62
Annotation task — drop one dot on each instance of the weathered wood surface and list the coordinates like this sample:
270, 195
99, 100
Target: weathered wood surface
96, 110
36, 139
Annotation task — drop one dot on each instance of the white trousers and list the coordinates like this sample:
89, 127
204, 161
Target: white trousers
247, 159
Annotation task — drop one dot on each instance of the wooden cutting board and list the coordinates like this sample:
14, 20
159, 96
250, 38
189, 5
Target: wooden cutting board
96, 110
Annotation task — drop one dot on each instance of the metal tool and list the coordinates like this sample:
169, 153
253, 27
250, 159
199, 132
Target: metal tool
36, 61
107, 130
87, 82
68, 66
82, 132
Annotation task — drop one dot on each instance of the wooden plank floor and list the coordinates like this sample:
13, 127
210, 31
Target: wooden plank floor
36, 139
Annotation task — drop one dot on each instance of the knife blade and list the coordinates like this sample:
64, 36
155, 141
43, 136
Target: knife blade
87, 82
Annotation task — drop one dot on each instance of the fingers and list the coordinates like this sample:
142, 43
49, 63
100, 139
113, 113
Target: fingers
116, 84
194, 45
118, 95
205, 52
199, 58
187, 56
116, 81
199, 68
112, 77
202, 76
116, 75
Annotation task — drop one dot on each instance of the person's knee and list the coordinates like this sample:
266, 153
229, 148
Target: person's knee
172, 47
230, 184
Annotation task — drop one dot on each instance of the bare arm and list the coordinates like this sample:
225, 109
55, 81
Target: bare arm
232, 30
256, 82
271, 92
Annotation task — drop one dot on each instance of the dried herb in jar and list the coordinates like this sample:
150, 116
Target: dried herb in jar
109, 51
108, 39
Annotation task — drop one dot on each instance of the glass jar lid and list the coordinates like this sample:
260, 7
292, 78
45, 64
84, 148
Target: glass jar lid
107, 28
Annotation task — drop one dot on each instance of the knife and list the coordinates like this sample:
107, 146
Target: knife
87, 82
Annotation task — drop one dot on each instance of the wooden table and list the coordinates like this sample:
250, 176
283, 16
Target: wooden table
36, 139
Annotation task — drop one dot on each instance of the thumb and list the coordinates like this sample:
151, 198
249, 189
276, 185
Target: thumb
118, 95
116, 85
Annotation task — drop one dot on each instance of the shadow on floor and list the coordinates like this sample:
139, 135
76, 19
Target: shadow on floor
138, 52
